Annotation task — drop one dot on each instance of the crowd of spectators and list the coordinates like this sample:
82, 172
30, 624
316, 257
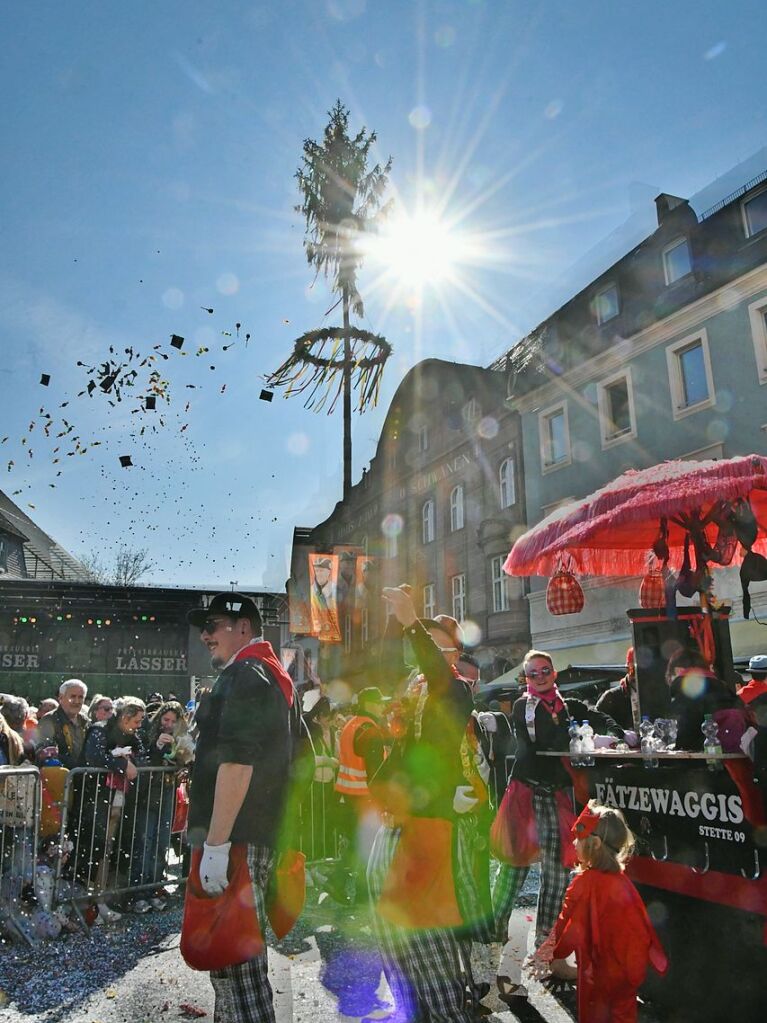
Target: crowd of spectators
119, 818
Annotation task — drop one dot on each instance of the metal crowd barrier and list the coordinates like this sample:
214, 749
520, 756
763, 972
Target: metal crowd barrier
20, 802
121, 835
103, 842
318, 824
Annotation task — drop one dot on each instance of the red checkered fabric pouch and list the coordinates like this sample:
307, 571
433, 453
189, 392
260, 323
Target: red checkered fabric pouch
564, 595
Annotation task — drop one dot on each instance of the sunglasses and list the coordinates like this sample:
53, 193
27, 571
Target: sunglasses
543, 672
212, 624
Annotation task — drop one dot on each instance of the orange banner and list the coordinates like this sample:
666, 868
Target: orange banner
323, 594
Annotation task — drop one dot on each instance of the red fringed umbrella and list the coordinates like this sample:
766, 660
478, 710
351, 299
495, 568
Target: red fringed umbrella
611, 532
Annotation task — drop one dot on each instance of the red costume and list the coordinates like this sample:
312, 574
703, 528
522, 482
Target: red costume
604, 921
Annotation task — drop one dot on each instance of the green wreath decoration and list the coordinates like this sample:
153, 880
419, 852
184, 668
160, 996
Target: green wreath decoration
317, 365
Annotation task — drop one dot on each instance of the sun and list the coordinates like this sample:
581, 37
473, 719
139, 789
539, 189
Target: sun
418, 249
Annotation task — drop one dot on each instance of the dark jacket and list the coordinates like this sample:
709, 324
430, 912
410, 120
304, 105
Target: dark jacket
428, 765
57, 729
103, 737
690, 710
550, 735
245, 719
616, 703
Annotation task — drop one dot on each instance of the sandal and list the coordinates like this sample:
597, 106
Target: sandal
508, 992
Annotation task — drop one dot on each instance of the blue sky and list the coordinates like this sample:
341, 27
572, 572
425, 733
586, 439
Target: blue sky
149, 154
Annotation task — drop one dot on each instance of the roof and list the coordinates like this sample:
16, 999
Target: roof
58, 563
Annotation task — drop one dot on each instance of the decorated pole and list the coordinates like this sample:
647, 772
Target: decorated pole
342, 201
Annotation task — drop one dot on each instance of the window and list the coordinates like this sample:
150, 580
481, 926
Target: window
554, 437
347, 633
616, 408
500, 586
689, 366
429, 601
755, 213
458, 588
471, 411
423, 437
508, 487
606, 304
676, 260
427, 521
456, 508
364, 627
364, 544
757, 313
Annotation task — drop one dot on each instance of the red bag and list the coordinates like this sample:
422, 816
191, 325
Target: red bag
564, 595
514, 833
652, 593
222, 930
288, 892
181, 813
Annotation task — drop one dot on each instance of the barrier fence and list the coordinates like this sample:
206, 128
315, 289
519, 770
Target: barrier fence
92, 838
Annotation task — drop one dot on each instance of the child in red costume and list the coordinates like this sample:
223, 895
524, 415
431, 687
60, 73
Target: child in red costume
604, 921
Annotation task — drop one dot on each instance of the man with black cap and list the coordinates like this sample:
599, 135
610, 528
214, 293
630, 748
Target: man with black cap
240, 777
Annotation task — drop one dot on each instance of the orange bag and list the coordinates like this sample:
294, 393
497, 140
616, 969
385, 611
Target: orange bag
288, 892
222, 930
419, 891
651, 591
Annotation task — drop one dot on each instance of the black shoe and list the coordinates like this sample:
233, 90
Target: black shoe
481, 990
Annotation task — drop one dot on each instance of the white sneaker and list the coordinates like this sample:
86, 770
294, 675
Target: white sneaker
109, 916
140, 906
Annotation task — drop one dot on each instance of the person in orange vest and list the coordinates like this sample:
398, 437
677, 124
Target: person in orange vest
362, 748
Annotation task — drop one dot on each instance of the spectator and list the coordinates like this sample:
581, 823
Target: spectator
320, 808
46, 706
11, 746
115, 746
168, 745
15, 710
101, 708
66, 726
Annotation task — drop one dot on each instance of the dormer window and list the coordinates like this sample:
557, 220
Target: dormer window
755, 213
677, 262
606, 304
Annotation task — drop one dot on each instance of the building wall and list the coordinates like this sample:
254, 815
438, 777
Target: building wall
730, 318
463, 450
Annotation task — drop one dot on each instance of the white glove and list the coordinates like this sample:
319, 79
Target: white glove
631, 738
121, 751
488, 720
213, 868
747, 739
604, 741
463, 800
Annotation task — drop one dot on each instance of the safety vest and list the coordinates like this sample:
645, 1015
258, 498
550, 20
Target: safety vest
352, 777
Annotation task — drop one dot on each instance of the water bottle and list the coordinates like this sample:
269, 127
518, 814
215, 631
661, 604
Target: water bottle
647, 742
712, 747
576, 745
587, 744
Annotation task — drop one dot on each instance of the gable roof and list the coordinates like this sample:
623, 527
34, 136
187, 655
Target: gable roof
45, 559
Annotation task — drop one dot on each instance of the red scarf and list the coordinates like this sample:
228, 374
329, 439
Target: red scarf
551, 699
262, 651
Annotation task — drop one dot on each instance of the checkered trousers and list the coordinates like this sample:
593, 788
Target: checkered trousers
554, 877
425, 969
243, 993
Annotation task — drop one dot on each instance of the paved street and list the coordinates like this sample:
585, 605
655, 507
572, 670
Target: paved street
133, 973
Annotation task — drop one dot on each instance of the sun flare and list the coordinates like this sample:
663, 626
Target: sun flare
418, 250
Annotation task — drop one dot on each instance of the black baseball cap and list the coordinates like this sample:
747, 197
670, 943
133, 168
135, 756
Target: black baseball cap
234, 605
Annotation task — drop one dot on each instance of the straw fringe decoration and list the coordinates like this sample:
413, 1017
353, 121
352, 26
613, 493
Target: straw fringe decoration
316, 368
